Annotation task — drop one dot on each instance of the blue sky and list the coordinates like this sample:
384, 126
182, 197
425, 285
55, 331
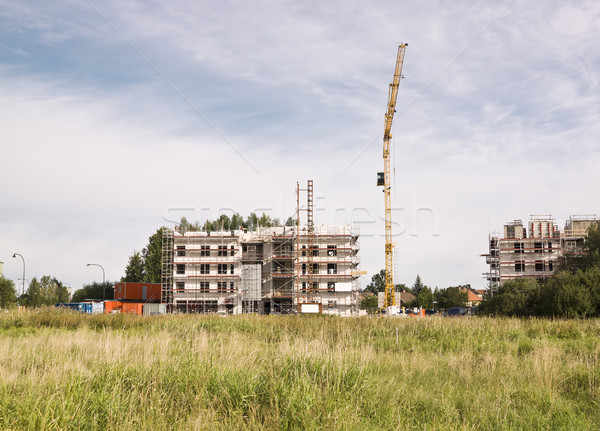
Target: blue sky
115, 113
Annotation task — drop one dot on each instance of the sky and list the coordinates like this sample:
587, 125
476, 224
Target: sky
118, 117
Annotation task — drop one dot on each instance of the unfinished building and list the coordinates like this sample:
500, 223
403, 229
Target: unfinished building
517, 254
270, 270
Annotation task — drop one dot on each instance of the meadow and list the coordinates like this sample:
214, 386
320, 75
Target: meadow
61, 370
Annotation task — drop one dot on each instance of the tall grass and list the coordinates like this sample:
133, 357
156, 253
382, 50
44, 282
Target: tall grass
63, 370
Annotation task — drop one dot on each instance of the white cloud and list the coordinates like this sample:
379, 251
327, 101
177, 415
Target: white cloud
99, 147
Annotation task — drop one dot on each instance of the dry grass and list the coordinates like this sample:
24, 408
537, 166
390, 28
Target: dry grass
61, 370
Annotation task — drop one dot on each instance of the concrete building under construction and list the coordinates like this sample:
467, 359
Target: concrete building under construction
534, 251
269, 270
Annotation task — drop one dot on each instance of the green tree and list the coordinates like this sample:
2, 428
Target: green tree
369, 303
252, 222
33, 296
152, 258
587, 258
94, 291
62, 293
377, 283
265, 221
237, 221
417, 286
424, 298
223, 223
134, 271
184, 225
8, 294
290, 221
47, 291
451, 297
514, 298
571, 294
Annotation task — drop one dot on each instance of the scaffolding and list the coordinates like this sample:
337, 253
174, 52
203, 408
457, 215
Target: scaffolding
273, 269
167, 267
251, 287
535, 251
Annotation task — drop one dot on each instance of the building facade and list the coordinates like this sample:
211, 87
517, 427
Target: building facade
535, 250
273, 270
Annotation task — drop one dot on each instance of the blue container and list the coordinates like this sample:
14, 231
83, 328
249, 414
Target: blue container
70, 305
97, 307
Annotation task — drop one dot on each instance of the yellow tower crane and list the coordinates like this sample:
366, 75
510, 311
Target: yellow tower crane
383, 179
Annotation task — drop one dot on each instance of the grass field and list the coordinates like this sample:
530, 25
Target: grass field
62, 370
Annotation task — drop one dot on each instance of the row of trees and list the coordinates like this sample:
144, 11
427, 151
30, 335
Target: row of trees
573, 291
45, 291
424, 296
236, 221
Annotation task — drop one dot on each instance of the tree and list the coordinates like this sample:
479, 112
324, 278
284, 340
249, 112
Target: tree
62, 293
33, 296
377, 283
451, 297
514, 298
47, 291
587, 258
184, 225
237, 221
571, 294
369, 303
418, 286
223, 223
94, 291
290, 221
8, 294
134, 271
152, 258
252, 222
424, 298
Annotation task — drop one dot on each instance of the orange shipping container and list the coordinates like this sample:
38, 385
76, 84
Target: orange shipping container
138, 291
132, 307
112, 306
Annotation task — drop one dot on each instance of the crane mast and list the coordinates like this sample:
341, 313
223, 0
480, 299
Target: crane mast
383, 178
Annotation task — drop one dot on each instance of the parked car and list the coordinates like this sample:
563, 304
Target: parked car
457, 312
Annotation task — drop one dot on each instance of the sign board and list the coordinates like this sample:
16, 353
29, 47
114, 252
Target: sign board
310, 308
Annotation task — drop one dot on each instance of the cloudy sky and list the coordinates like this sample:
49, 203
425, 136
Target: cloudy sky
118, 117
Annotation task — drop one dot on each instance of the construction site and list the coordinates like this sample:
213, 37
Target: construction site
269, 270
535, 250
278, 270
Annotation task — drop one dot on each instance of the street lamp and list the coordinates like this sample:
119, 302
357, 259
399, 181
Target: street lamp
103, 279
23, 259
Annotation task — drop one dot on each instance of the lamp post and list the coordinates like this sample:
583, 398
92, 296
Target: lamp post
23, 259
103, 279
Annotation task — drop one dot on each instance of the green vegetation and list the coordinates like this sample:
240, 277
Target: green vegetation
377, 284
573, 291
236, 221
94, 290
63, 370
8, 294
425, 297
146, 266
47, 291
